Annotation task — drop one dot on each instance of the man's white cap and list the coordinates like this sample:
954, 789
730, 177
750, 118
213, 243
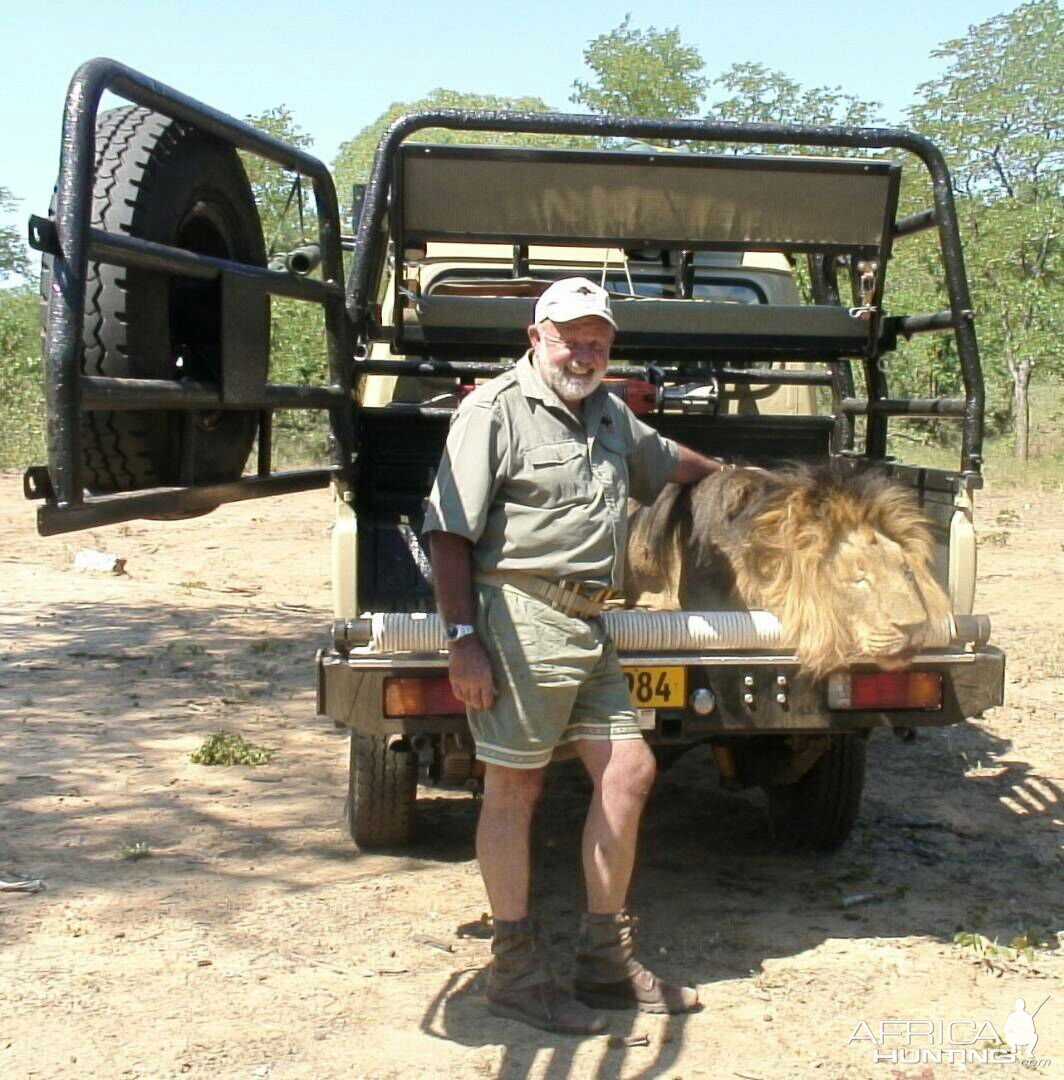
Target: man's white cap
574, 298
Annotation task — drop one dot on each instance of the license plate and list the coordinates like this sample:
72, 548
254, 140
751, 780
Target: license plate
657, 687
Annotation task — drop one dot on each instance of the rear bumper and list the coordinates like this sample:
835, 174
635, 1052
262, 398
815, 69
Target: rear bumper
746, 690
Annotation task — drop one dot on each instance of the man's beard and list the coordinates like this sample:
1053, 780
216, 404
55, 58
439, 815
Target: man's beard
568, 386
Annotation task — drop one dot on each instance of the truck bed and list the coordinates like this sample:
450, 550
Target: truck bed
400, 453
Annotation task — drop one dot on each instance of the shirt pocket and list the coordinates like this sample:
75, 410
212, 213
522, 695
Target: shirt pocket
611, 466
554, 474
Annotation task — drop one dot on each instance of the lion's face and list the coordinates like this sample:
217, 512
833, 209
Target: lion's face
879, 608
845, 562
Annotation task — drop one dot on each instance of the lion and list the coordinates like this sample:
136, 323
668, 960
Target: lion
842, 559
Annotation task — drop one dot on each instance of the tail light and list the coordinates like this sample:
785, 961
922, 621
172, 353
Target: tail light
420, 696
877, 690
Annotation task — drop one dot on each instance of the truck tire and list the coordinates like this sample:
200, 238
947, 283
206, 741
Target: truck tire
819, 810
381, 791
165, 181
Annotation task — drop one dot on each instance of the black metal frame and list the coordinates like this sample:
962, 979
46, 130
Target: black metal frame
482, 369
363, 282
350, 309
73, 242
486, 340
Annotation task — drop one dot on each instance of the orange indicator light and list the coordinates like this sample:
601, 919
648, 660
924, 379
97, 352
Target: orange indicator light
420, 696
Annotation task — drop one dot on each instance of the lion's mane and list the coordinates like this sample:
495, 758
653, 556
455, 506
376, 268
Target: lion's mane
746, 539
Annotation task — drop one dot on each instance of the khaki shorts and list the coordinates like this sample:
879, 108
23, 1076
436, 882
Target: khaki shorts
558, 680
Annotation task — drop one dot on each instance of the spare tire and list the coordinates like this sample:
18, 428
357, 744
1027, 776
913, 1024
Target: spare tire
165, 181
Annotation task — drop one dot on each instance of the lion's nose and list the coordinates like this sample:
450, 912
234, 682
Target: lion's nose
909, 615
911, 624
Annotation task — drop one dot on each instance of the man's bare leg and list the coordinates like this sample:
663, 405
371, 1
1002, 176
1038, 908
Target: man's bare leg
520, 984
504, 837
622, 773
608, 975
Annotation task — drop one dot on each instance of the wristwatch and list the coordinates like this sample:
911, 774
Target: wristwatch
457, 631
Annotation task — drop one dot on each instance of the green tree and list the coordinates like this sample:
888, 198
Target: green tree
997, 109
21, 409
21, 391
760, 95
354, 159
278, 201
1015, 269
997, 116
642, 73
13, 258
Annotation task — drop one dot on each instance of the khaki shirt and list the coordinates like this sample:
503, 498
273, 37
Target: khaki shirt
539, 489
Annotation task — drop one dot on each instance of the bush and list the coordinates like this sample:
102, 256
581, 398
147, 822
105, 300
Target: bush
298, 355
226, 748
22, 439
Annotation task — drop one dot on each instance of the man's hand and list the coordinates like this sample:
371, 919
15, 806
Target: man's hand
472, 680
692, 466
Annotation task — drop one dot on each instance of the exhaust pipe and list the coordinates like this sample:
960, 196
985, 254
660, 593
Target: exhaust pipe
300, 261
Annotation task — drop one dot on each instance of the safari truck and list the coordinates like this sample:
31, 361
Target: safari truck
748, 289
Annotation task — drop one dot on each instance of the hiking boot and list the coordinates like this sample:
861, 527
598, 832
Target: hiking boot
608, 976
521, 986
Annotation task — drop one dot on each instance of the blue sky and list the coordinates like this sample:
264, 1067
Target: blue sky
337, 66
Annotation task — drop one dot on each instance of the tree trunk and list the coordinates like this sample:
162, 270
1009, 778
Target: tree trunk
1021, 408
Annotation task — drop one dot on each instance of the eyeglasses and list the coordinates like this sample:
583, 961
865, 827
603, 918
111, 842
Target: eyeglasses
596, 352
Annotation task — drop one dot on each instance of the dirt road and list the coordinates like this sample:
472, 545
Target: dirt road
252, 940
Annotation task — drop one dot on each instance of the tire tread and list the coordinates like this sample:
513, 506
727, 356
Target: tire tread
122, 450
382, 788
819, 810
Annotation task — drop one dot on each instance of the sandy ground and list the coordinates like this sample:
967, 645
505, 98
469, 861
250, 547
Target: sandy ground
254, 941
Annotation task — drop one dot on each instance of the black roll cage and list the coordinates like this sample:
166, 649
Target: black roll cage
349, 309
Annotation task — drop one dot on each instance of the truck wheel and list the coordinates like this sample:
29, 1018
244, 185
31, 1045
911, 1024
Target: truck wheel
165, 181
819, 810
381, 791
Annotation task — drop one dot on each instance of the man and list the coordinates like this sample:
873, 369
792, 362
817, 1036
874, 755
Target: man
528, 526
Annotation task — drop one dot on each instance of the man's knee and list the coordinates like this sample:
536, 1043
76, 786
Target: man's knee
625, 767
515, 789
631, 770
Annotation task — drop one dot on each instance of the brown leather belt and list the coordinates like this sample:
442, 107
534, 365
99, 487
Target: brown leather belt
568, 597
